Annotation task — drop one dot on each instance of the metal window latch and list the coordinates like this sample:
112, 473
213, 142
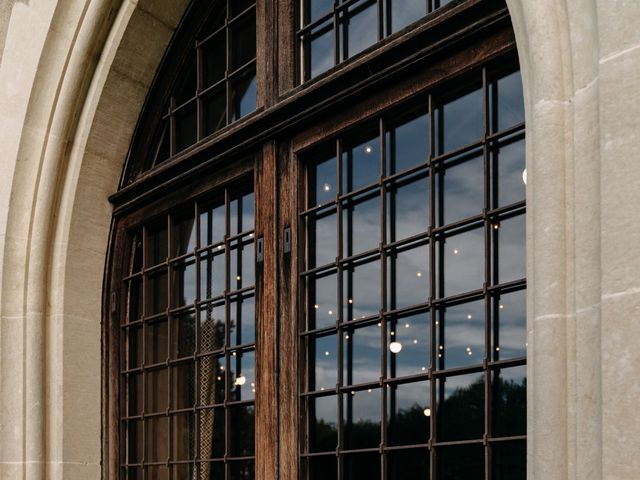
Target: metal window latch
287, 240
260, 250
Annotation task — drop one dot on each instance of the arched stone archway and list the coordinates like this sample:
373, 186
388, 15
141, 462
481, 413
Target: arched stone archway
75, 75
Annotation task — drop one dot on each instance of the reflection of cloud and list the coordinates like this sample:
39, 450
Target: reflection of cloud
463, 194
511, 163
405, 12
464, 262
512, 254
362, 30
463, 120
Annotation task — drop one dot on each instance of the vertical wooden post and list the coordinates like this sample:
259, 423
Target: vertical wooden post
266, 437
288, 314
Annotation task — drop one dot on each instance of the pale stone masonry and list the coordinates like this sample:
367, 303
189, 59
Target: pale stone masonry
73, 76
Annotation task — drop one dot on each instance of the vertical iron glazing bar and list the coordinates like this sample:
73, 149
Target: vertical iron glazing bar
199, 87
380, 5
487, 276
432, 293
383, 296
227, 263
340, 289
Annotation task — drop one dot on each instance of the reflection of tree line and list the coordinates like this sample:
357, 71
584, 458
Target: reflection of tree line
460, 416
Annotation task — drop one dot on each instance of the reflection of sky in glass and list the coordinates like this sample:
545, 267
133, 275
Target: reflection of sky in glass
361, 355
324, 228
511, 164
512, 332
510, 101
184, 284
463, 335
244, 379
321, 52
212, 275
463, 193
410, 206
362, 28
409, 277
412, 333
361, 165
405, 12
408, 144
325, 174
463, 262
364, 233
243, 315
326, 362
362, 291
245, 90
212, 225
184, 236
318, 8
463, 121
323, 301
511, 254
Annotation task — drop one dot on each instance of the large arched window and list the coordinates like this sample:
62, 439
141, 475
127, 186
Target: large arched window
323, 278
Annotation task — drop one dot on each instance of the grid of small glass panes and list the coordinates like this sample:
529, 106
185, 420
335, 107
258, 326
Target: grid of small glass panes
332, 31
414, 330
188, 343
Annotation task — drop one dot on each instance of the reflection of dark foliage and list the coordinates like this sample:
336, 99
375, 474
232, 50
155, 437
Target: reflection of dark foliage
242, 431
509, 407
460, 416
408, 426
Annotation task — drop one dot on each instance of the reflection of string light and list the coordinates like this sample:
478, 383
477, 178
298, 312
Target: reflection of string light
424, 369
524, 176
379, 324
441, 347
427, 412
393, 334
322, 389
395, 347
456, 251
415, 342
469, 352
468, 349
350, 300
326, 354
419, 274
437, 323
253, 390
326, 187
368, 149
241, 380
501, 307
253, 385
369, 391
316, 306
406, 325
219, 378
238, 277
347, 337
497, 349
353, 392
330, 312
469, 317
439, 355
234, 354
220, 247
222, 367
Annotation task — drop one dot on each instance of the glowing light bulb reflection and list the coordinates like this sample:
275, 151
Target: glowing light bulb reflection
456, 251
395, 347
419, 274
427, 412
326, 354
469, 317
524, 176
241, 380
368, 149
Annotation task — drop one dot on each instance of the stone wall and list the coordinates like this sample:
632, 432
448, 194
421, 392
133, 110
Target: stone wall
73, 76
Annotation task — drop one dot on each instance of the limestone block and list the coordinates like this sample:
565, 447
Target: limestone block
620, 143
618, 25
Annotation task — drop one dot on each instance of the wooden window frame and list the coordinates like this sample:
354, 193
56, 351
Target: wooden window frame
290, 120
